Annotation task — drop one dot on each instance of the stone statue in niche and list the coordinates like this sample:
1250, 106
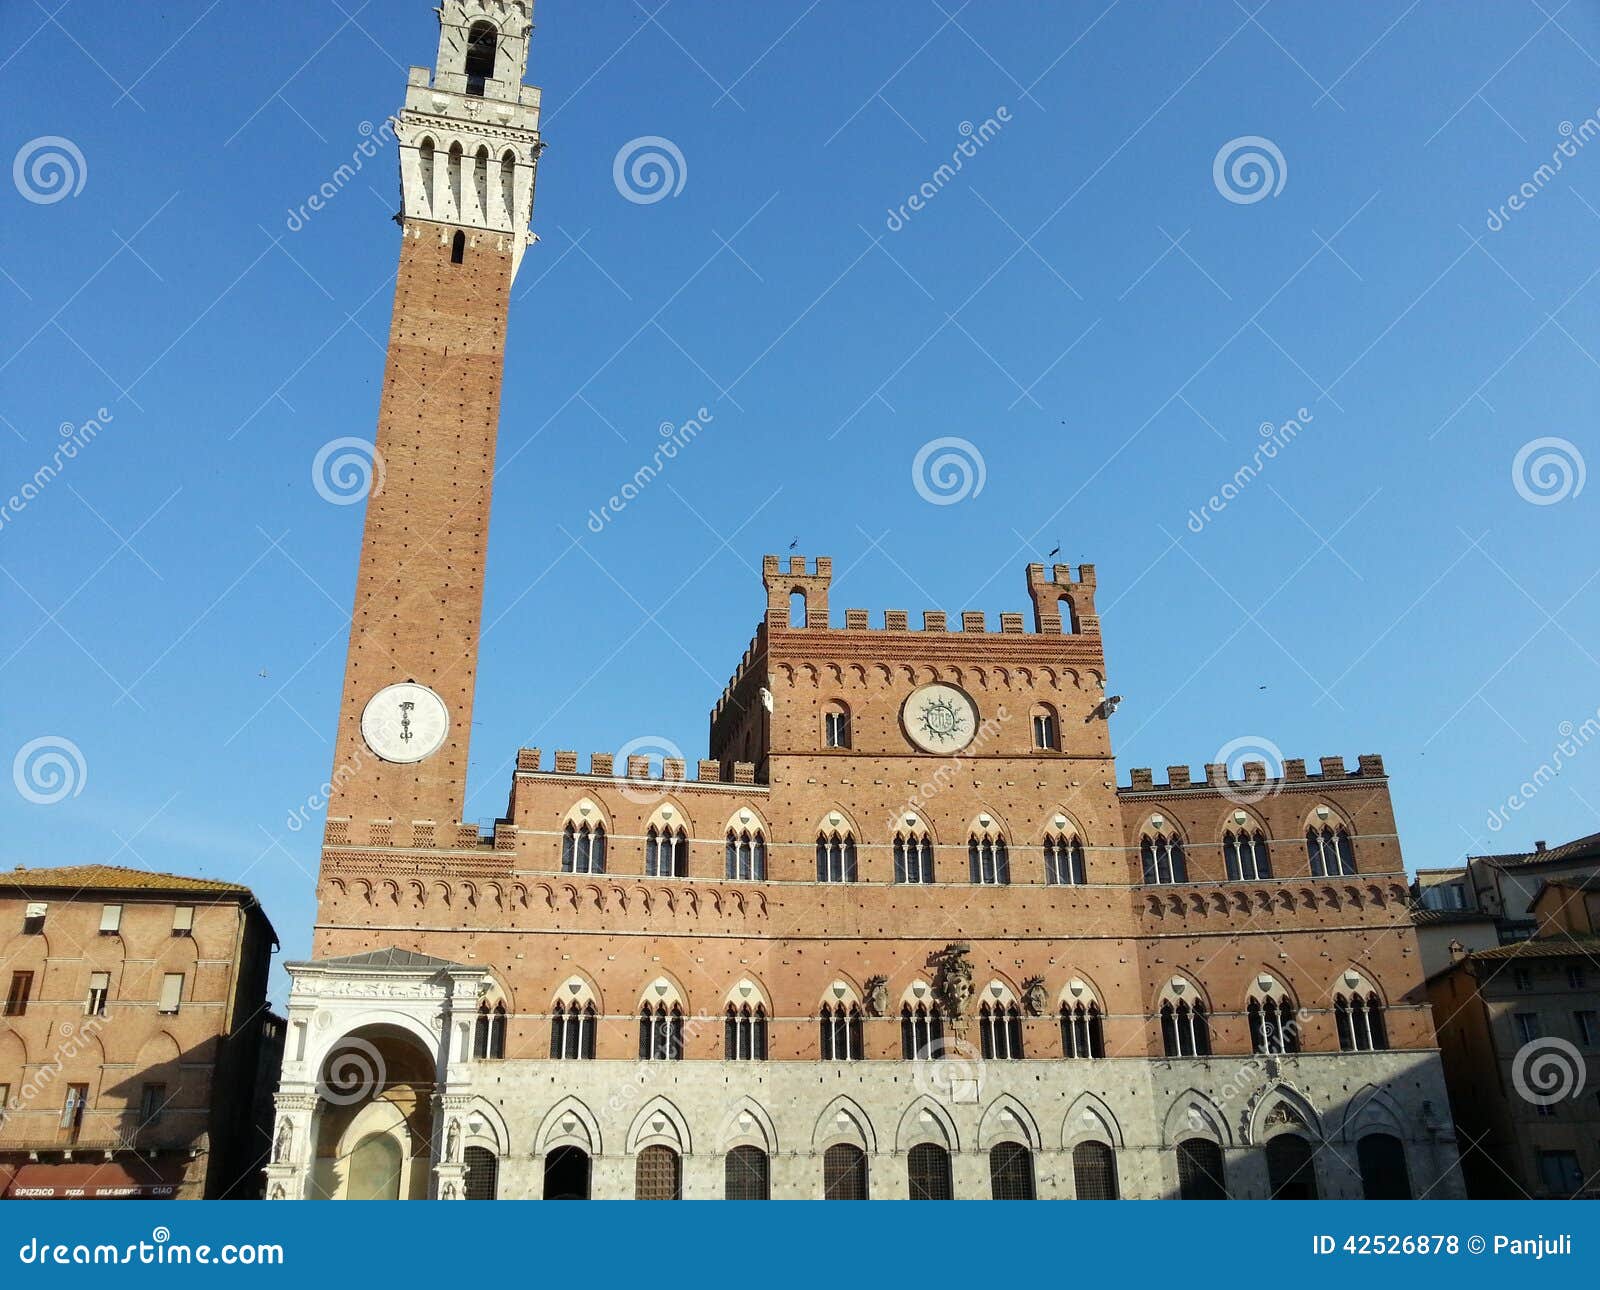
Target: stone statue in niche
280, 1144
952, 978
1034, 998
452, 1142
878, 996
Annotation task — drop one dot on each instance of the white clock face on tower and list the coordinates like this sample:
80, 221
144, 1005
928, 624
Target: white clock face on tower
940, 718
405, 722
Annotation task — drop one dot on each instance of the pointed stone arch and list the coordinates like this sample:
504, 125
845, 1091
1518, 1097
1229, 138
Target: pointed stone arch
747, 1124
1281, 1108
1194, 1114
1090, 1119
1371, 1109
569, 1123
844, 1120
926, 1120
1005, 1120
659, 1123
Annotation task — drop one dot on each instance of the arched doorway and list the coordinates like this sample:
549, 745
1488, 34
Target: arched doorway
1382, 1159
374, 1120
376, 1165
566, 1174
482, 1180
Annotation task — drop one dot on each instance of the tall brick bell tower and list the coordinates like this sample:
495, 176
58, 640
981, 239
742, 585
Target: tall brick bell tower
469, 146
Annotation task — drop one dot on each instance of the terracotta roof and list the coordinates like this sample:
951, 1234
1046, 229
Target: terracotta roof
1425, 917
1561, 945
1584, 848
1574, 882
108, 877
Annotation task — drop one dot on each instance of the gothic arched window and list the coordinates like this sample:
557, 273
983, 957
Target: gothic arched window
1246, 856
928, 1172
483, 1174
1094, 1171
987, 859
1273, 1025
1082, 1034
1330, 852
1359, 1018
1063, 860
746, 1174
744, 1033
1185, 1029
913, 856
572, 1028
836, 857
921, 1032
660, 1033
666, 852
1000, 1029
1200, 1170
1010, 1171
1162, 857
836, 725
844, 1172
489, 1034
1046, 731
583, 849
841, 1032
746, 859
480, 57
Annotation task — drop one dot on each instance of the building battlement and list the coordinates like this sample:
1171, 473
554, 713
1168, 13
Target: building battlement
1369, 766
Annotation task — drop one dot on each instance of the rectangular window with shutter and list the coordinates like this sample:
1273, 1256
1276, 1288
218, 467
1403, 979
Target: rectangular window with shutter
183, 920
151, 1101
17, 996
110, 919
171, 992
72, 1109
99, 989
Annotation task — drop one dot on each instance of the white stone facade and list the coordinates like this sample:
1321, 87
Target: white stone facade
520, 1111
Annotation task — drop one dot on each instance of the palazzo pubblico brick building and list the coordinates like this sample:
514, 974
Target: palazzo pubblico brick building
902, 932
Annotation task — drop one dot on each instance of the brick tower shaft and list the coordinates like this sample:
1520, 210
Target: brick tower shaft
469, 146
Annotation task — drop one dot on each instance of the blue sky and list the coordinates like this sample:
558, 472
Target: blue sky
1082, 302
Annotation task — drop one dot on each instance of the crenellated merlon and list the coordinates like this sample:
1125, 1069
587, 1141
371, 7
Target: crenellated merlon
1369, 766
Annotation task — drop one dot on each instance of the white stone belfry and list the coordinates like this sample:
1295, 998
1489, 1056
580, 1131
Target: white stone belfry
469, 130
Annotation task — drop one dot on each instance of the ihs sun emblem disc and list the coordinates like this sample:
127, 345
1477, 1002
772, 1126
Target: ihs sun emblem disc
940, 718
